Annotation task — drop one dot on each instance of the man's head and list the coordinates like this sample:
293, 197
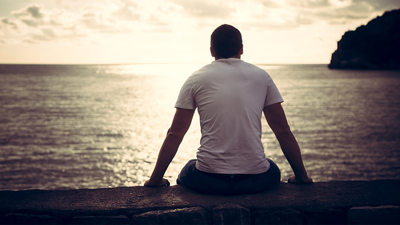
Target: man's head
226, 42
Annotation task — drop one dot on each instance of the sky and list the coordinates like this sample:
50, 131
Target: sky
176, 31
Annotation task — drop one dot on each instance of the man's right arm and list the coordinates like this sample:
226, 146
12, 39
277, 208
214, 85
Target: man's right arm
276, 119
179, 127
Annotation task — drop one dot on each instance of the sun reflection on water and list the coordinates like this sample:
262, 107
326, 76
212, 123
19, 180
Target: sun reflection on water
149, 115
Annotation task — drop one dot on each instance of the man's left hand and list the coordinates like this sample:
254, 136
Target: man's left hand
151, 183
296, 180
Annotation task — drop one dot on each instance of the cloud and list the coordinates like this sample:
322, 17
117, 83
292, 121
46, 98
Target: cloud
128, 10
380, 5
6, 23
290, 14
148, 16
270, 3
30, 11
30, 15
206, 8
283, 14
35, 23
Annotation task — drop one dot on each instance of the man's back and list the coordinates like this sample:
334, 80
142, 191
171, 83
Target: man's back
230, 95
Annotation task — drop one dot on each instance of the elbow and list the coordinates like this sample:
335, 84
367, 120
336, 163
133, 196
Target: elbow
175, 134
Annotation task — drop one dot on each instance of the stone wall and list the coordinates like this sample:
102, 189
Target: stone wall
346, 202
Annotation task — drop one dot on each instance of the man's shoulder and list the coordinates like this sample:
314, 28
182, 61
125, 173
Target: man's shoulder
254, 70
253, 66
204, 71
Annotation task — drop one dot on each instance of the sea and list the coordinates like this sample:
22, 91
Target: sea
101, 126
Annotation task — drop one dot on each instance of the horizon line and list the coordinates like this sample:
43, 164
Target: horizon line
149, 63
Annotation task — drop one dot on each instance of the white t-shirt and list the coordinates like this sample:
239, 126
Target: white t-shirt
230, 96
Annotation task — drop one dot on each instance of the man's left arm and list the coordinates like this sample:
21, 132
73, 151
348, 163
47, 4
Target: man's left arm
178, 129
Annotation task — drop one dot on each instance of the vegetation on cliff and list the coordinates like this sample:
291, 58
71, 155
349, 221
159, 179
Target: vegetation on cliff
372, 46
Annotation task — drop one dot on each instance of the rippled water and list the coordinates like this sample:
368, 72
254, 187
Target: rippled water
96, 126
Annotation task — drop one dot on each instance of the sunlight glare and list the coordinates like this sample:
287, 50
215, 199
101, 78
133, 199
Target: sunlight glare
167, 70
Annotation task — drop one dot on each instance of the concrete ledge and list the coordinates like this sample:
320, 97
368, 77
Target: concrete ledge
342, 202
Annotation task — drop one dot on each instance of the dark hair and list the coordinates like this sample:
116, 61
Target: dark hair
226, 41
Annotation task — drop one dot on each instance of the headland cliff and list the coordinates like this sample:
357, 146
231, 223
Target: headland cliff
372, 46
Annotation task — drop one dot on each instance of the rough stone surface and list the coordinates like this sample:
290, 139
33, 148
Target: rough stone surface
374, 215
326, 202
326, 216
193, 215
101, 220
284, 216
231, 214
373, 46
23, 218
114, 201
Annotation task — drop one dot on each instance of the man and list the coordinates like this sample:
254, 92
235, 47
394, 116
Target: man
230, 96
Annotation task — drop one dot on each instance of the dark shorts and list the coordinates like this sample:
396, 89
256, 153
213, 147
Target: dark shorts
228, 184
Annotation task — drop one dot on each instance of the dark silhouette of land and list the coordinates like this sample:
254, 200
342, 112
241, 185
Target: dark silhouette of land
372, 46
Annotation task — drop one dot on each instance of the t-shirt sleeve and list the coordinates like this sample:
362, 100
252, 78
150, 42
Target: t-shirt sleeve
273, 95
186, 96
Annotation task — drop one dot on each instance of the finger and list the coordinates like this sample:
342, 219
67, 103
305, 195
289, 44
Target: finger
165, 182
292, 180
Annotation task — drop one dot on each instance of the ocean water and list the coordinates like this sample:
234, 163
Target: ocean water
100, 126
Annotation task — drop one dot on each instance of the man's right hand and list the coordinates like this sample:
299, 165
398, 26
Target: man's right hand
296, 180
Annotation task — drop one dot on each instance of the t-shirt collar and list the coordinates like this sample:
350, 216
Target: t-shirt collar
228, 61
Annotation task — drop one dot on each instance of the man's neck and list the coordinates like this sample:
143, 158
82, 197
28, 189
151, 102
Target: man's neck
236, 56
